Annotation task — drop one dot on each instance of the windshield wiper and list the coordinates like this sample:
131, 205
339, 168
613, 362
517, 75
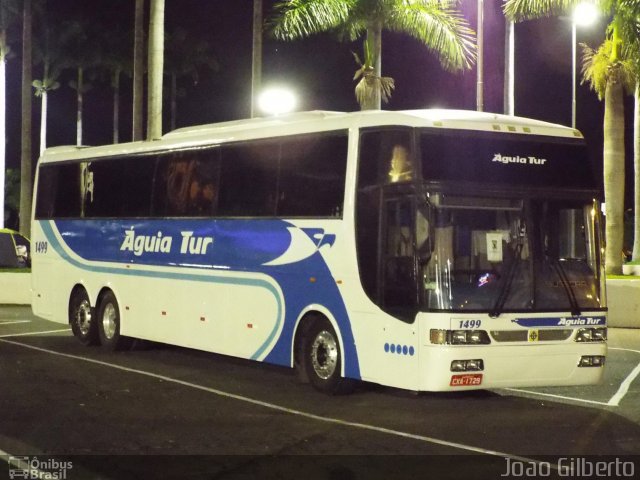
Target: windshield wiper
496, 311
564, 279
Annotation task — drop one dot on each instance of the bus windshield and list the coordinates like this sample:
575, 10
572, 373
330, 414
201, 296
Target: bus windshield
497, 254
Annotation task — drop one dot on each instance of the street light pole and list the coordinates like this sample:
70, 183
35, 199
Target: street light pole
573, 74
584, 14
479, 69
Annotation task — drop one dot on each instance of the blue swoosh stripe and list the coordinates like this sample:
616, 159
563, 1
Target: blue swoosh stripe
47, 227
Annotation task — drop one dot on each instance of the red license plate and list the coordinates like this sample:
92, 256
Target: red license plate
467, 380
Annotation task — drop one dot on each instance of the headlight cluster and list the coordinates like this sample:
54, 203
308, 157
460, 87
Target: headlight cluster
459, 337
476, 365
591, 335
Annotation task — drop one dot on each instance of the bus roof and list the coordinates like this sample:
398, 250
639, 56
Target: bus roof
304, 122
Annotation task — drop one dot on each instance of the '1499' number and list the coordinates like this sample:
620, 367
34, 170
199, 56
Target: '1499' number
41, 247
470, 323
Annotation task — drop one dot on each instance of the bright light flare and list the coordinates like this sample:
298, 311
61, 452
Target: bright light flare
276, 101
585, 14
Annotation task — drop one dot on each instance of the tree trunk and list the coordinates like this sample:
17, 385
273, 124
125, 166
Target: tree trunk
256, 58
80, 87
613, 167
26, 186
138, 71
3, 122
509, 68
374, 37
155, 69
636, 169
43, 121
116, 105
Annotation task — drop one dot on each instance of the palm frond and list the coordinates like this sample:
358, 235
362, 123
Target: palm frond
296, 19
441, 28
370, 85
519, 10
598, 69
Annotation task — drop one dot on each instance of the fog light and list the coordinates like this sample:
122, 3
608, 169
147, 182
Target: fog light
475, 365
591, 361
458, 366
467, 365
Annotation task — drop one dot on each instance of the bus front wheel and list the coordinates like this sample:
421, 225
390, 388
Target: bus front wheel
109, 323
322, 359
81, 318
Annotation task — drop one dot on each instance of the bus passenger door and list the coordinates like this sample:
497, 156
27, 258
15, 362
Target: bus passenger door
399, 263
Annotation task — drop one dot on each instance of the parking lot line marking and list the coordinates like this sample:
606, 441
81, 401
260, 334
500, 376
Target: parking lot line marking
613, 401
26, 334
624, 349
624, 387
563, 397
272, 406
13, 322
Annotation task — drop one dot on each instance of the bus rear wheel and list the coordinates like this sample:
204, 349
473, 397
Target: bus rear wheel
109, 323
322, 359
81, 318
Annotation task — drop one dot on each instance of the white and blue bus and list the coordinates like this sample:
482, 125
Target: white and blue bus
428, 250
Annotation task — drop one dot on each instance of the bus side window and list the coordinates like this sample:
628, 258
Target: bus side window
187, 184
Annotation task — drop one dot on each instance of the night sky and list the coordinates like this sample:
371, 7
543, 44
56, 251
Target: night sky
320, 69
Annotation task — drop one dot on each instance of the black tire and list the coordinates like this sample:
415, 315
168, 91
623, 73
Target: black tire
82, 319
108, 320
322, 359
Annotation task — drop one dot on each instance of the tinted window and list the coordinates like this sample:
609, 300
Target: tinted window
59, 191
385, 157
312, 175
248, 183
290, 176
119, 187
501, 158
186, 184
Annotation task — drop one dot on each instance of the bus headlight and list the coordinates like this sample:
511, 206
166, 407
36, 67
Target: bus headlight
459, 337
469, 337
591, 335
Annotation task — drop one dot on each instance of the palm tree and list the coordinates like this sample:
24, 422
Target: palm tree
607, 70
138, 70
155, 69
82, 53
49, 50
609, 75
115, 58
631, 32
8, 13
437, 24
26, 187
185, 56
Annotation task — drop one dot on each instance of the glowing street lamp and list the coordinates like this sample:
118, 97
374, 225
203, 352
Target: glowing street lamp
585, 14
276, 101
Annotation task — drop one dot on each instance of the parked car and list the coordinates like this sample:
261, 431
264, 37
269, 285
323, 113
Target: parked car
15, 249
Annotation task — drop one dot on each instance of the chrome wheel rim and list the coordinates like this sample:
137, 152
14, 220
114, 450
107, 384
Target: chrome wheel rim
109, 323
83, 317
324, 355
